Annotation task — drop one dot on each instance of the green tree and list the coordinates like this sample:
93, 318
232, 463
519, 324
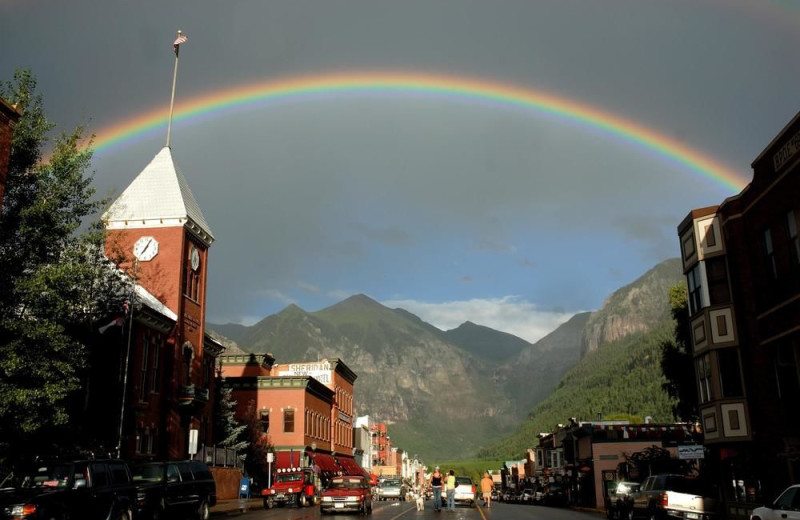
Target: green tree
55, 280
227, 431
676, 359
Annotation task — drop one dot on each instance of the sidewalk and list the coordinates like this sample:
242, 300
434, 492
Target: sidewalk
233, 506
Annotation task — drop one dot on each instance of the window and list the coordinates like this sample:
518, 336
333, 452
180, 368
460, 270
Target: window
786, 373
264, 421
717, 275
730, 373
288, 421
191, 279
794, 241
770, 253
155, 385
695, 286
704, 377
143, 388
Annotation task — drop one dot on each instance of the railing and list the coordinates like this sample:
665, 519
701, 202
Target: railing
218, 456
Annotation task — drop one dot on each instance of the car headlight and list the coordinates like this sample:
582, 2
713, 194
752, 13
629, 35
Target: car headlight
352, 499
327, 499
290, 490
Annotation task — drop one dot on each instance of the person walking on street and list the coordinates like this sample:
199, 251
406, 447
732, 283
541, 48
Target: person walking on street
451, 491
436, 486
487, 485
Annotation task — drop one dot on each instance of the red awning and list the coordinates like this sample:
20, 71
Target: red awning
350, 466
288, 459
326, 463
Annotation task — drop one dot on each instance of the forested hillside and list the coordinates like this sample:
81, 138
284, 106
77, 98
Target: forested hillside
619, 380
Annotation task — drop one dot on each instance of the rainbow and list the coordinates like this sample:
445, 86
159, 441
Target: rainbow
395, 84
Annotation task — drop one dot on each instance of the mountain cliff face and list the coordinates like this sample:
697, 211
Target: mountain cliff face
635, 308
447, 394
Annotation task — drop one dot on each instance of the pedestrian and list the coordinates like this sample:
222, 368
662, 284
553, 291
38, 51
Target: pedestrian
451, 491
436, 485
487, 485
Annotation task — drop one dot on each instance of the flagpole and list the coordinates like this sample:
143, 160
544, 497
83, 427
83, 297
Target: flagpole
131, 306
174, 81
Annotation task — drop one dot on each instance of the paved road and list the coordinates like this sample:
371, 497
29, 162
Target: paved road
407, 511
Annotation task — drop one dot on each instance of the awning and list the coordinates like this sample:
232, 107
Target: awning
288, 459
350, 466
325, 462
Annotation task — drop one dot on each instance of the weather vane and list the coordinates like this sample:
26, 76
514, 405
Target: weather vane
176, 46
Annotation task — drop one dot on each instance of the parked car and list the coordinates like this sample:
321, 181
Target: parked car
786, 506
392, 489
87, 489
349, 493
169, 489
465, 492
555, 495
526, 496
619, 500
675, 496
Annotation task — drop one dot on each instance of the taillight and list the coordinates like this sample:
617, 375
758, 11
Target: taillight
664, 499
23, 511
473, 489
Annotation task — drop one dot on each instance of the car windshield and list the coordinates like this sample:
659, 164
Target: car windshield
346, 483
148, 473
392, 483
288, 477
55, 476
463, 481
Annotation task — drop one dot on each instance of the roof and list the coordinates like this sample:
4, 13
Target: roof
159, 197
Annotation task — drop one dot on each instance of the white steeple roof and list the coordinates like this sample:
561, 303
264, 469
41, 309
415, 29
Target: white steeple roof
159, 197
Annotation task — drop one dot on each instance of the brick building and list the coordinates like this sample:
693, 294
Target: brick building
305, 410
157, 232
742, 265
8, 118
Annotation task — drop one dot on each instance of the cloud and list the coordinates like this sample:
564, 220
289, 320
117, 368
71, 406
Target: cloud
507, 314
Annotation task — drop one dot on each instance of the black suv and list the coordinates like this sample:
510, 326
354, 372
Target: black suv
75, 489
174, 488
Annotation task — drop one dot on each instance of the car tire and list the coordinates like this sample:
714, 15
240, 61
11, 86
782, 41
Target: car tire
203, 512
159, 511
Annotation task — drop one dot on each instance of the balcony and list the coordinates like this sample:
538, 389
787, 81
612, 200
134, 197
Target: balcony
191, 396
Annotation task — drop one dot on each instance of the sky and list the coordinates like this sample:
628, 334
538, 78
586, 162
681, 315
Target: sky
506, 162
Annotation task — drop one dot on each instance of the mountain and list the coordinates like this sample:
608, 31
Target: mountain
619, 371
486, 343
449, 394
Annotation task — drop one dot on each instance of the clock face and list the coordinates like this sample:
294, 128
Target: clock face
145, 249
194, 258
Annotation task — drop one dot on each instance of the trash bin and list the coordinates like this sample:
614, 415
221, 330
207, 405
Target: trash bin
244, 493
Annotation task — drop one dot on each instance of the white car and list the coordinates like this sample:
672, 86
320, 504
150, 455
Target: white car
786, 506
465, 492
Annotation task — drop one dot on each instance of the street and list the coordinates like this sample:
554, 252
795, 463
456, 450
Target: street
407, 510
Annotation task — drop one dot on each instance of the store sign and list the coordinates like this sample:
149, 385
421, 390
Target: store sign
693, 451
786, 152
320, 371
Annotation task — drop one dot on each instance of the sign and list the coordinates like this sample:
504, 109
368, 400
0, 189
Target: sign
270, 457
786, 152
320, 371
192, 441
692, 451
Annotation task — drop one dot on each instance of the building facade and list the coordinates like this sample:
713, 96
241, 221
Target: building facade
304, 410
157, 235
742, 265
8, 119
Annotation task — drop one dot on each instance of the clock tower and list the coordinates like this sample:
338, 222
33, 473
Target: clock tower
157, 234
